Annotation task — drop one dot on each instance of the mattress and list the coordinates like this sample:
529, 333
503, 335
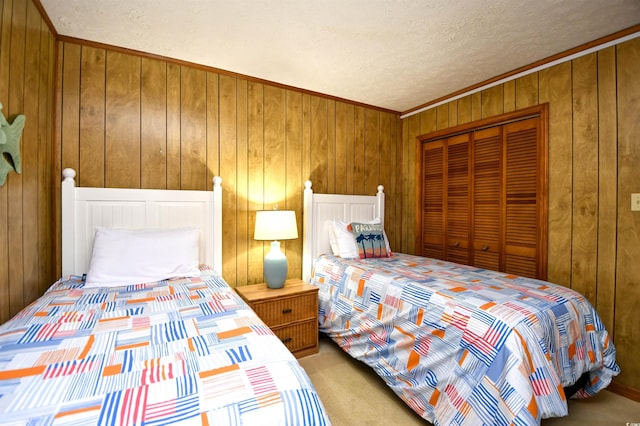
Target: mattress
178, 351
462, 345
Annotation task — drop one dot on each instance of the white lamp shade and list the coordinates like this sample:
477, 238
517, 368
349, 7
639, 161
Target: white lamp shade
273, 225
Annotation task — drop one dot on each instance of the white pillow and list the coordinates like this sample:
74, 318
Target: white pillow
329, 228
344, 243
127, 256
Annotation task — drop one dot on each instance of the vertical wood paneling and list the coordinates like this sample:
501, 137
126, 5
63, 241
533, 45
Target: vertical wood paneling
371, 151
509, 92
464, 110
46, 206
153, 122
92, 124
585, 176
476, 106
358, 151
492, 101
388, 170
294, 176
627, 333
29, 154
70, 151
350, 147
193, 138
526, 91
331, 146
555, 88
26, 205
607, 182
275, 148
428, 121
5, 43
122, 117
306, 136
396, 198
411, 129
242, 164
228, 123
15, 105
442, 116
173, 126
57, 149
213, 129
255, 190
453, 113
319, 144
341, 148
46, 210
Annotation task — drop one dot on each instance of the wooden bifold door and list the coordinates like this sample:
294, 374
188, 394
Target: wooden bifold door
483, 194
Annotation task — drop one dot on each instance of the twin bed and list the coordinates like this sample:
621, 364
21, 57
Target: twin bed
184, 350
458, 344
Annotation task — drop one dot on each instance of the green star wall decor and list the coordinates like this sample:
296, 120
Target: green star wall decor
10, 145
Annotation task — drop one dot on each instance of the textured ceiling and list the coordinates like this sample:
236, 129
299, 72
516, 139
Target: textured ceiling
394, 54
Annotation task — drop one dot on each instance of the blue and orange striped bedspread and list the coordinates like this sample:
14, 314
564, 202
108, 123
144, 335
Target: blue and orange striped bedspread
184, 351
462, 345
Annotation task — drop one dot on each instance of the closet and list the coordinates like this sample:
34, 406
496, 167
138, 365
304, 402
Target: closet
483, 194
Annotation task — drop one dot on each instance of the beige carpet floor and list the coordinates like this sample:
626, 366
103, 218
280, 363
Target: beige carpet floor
354, 395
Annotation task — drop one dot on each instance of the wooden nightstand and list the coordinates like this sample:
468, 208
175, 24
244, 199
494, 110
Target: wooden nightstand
291, 312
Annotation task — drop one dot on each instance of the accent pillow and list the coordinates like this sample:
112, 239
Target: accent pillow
127, 256
369, 239
345, 242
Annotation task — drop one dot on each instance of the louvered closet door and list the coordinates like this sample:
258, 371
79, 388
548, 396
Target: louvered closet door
457, 199
487, 196
433, 160
521, 209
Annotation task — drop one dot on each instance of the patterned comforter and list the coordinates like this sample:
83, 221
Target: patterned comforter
462, 345
180, 351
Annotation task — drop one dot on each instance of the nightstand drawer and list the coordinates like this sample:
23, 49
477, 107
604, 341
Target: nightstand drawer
299, 336
291, 312
287, 310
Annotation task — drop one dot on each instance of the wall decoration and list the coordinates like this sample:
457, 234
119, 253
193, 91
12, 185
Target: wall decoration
10, 145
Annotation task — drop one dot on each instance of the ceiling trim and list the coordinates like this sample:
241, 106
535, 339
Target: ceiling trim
568, 55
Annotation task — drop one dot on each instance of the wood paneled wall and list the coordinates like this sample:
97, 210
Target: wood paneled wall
27, 64
594, 157
130, 121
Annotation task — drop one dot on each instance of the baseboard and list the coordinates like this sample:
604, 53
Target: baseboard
624, 390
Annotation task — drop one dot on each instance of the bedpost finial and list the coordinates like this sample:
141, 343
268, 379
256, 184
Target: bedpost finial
307, 184
69, 173
217, 181
380, 189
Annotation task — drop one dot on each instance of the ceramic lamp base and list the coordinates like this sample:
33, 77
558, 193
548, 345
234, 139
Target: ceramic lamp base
275, 267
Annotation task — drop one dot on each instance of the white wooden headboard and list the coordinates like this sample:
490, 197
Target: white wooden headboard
83, 209
320, 207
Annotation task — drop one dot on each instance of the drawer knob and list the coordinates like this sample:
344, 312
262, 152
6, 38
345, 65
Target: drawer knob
485, 247
286, 311
456, 244
286, 340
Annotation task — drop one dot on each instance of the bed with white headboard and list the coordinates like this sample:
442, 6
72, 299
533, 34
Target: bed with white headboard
85, 209
318, 208
459, 344
183, 349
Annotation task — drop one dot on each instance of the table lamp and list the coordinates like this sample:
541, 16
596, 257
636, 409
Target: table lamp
275, 225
